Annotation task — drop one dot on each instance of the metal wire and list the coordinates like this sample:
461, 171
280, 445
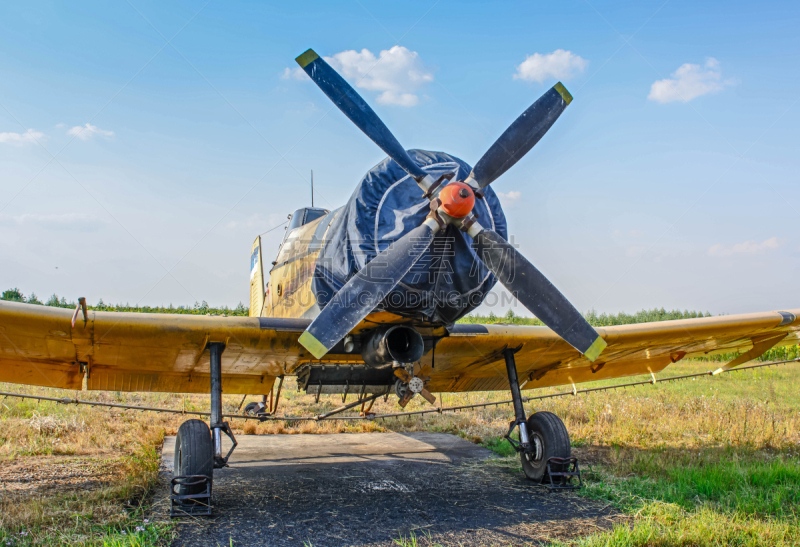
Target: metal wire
439, 410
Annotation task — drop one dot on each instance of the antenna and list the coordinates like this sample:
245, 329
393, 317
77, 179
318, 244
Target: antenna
312, 187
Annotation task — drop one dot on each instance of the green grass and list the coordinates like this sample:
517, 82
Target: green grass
500, 446
707, 497
659, 524
135, 533
144, 535
727, 481
413, 541
702, 463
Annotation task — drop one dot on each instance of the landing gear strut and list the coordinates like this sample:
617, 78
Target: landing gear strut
543, 439
217, 425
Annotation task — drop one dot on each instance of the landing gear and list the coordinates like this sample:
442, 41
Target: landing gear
194, 454
548, 439
198, 449
256, 409
265, 408
543, 439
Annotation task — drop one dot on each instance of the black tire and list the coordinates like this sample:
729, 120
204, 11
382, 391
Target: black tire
549, 434
252, 409
194, 454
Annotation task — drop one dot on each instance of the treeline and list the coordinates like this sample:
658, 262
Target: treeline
601, 320
199, 308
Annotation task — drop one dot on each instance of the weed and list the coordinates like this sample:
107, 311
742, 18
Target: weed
413, 541
500, 446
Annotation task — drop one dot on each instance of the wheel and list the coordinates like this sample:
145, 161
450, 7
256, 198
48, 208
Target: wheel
194, 454
549, 438
254, 409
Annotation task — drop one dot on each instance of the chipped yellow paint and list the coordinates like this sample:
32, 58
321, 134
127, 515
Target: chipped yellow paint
290, 293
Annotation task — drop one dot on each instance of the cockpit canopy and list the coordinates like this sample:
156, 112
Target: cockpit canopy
303, 216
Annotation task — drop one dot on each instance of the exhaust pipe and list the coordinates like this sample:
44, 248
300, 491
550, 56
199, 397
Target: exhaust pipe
395, 343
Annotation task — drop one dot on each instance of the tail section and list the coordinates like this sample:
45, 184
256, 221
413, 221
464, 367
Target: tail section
256, 280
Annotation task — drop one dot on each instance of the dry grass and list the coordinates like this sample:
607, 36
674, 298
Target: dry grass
75, 475
749, 416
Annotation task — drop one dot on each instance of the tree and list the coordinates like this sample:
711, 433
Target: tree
33, 299
14, 295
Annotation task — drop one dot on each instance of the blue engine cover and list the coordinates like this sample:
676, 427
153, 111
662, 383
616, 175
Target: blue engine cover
449, 280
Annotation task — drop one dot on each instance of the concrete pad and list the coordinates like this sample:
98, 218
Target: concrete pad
263, 451
368, 489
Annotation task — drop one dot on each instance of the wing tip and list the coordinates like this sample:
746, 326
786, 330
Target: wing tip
559, 87
306, 58
308, 341
595, 349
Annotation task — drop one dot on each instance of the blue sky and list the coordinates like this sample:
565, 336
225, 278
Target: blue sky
671, 180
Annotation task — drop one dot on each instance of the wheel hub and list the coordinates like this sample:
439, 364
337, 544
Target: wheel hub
536, 451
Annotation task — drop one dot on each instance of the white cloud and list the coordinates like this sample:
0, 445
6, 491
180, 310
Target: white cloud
558, 65
295, 73
507, 199
88, 131
748, 247
512, 195
19, 139
397, 73
688, 82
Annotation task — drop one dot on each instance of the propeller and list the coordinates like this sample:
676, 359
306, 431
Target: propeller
451, 204
365, 290
354, 107
521, 136
535, 292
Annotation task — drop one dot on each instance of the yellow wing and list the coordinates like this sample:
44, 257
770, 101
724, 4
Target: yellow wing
143, 351
162, 352
471, 358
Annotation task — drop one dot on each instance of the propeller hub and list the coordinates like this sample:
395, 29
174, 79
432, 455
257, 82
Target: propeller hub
457, 199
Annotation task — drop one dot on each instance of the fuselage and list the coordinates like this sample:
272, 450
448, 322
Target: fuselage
289, 292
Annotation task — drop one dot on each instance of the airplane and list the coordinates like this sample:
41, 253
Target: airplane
364, 300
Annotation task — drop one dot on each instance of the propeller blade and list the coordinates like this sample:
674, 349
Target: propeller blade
536, 293
355, 108
365, 290
521, 136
